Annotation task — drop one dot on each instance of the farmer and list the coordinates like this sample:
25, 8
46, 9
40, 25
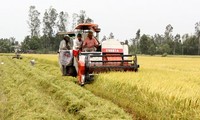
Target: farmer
90, 44
78, 43
77, 47
64, 45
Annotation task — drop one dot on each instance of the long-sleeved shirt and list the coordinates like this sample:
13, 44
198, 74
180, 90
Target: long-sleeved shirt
64, 46
77, 44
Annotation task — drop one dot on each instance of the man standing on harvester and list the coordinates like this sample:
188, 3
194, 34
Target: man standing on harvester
65, 43
78, 43
64, 55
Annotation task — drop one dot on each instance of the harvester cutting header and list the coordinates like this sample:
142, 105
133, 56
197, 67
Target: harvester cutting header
110, 55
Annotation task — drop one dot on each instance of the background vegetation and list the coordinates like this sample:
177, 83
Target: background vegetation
54, 21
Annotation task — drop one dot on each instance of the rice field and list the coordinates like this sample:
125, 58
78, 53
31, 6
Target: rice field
165, 88
40, 93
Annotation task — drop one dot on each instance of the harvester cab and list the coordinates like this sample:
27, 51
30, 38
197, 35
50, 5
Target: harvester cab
111, 55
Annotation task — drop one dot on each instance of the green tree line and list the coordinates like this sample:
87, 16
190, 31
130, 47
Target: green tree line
45, 40
53, 22
7, 45
166, 43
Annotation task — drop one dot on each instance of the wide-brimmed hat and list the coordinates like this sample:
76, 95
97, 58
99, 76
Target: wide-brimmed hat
67, 37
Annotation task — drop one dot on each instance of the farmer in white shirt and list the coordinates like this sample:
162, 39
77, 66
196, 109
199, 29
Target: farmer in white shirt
78, 43
77, 46
64, 45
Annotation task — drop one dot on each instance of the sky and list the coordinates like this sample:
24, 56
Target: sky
121, 17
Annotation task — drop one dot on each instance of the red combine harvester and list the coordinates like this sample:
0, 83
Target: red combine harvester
111, 55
